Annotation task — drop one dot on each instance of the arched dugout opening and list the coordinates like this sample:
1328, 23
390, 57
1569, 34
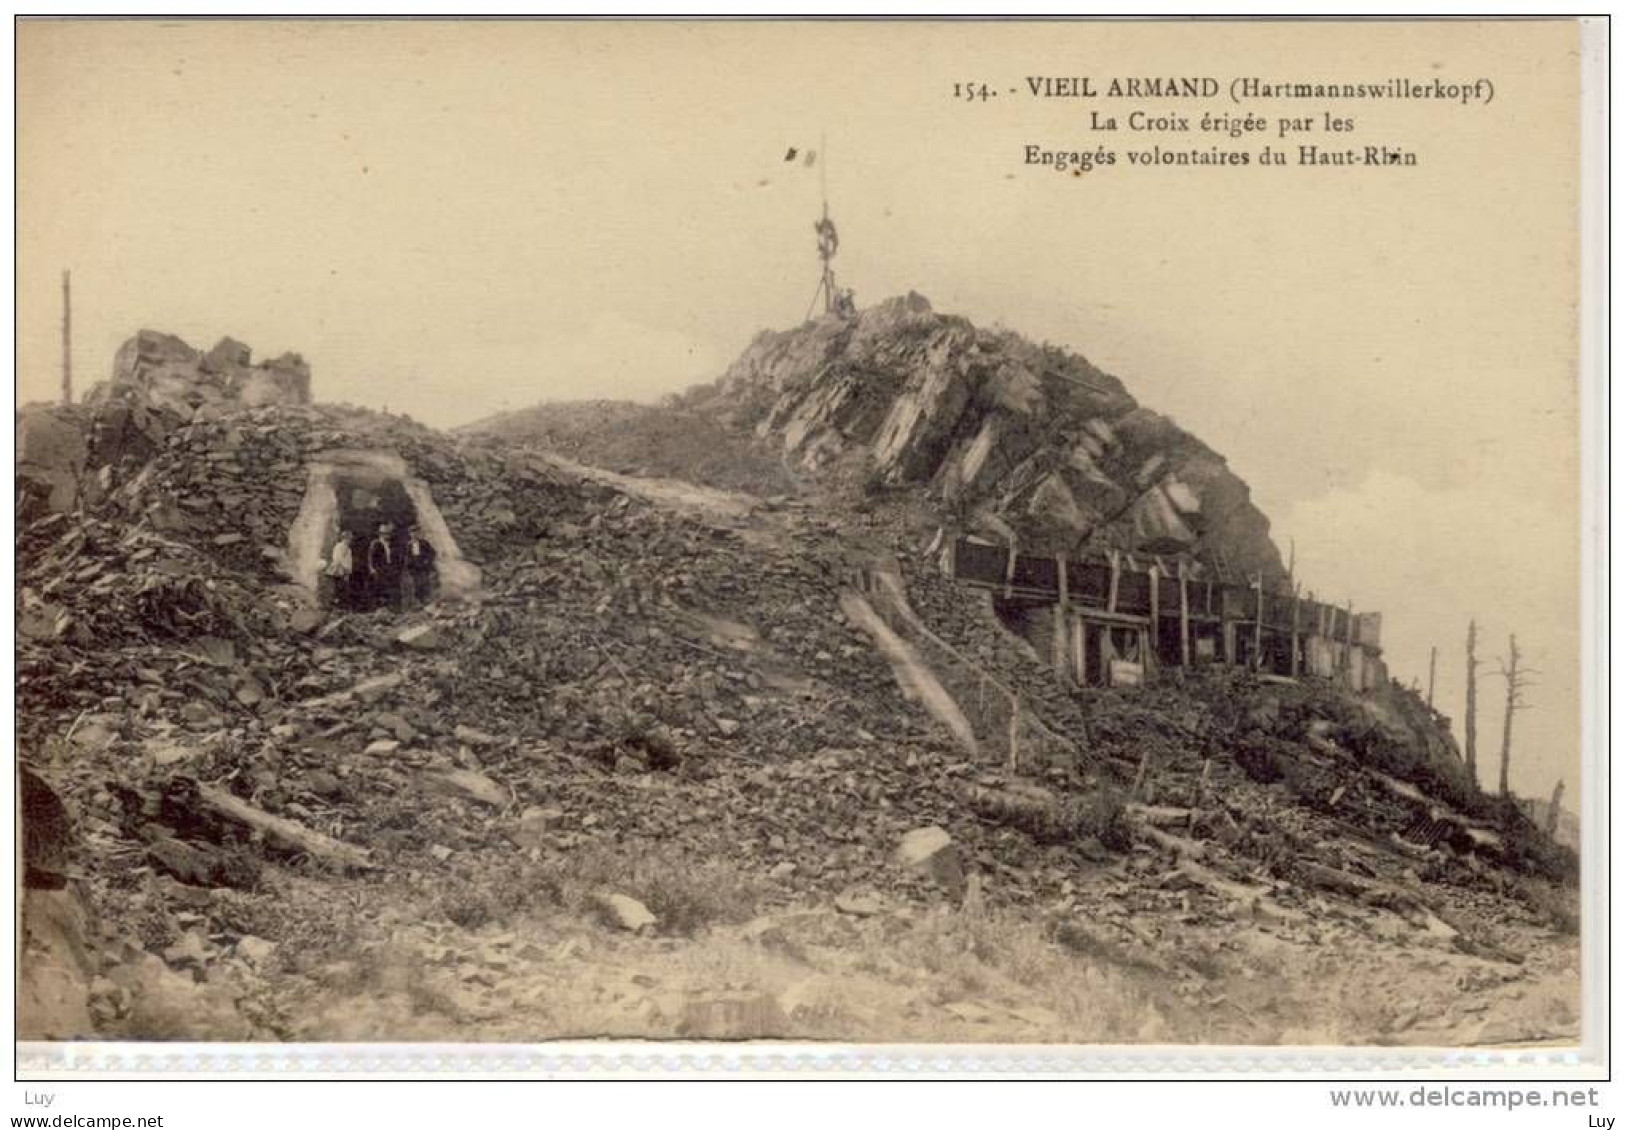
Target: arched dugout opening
350, 494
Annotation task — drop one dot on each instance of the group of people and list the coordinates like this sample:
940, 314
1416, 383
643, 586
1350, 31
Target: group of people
394, 571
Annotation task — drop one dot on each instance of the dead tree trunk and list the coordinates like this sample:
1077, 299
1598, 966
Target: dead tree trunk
1555, 811
1472, 702
1517, 682
281, 832
1506, 730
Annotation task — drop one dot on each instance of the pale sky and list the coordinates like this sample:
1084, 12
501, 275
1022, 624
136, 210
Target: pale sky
451, 220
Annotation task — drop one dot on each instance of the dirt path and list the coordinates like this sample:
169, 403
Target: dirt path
706, 502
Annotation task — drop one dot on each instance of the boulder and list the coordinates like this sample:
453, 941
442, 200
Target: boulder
475, 785
167, 1005
1265, 714
305, 618
931, 851
534, 824
183, 861
375, 688
255, 951
859, 905
55, 969
421, 637
401, 729
227, 354
52, 457
189, 952
624, 912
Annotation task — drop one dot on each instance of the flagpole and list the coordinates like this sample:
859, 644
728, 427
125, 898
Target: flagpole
823, 170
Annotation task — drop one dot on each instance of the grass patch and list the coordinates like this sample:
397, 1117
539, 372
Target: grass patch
686, 895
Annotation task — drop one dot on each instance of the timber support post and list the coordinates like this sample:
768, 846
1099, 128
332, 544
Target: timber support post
1294, 629
1156, 622
1061, 619
1258, 626
1184, 619
1348, 644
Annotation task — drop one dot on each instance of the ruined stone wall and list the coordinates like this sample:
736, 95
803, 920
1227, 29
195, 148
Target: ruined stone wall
187, 382
69, 454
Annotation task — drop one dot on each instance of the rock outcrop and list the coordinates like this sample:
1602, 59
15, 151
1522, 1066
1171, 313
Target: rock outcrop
53, 454
188, 383
73, 454
1015, 437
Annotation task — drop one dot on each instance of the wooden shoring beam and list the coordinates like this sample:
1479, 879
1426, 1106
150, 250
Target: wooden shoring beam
1258, 626
1294, 629
1184, 619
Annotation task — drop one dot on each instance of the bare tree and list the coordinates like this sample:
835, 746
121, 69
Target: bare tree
1472, 702
1517, 680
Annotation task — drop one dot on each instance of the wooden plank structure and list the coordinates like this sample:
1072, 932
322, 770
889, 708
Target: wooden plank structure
1103, 619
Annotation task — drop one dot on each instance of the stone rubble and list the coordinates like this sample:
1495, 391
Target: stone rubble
643, 680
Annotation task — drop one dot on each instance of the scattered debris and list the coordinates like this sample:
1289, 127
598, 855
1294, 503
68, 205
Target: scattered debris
632, 681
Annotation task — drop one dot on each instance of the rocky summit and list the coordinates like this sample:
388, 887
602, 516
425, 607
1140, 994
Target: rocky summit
677, 749
1023, 440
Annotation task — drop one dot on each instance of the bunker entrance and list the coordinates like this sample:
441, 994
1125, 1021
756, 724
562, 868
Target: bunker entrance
365, 506
351, 495
369, 509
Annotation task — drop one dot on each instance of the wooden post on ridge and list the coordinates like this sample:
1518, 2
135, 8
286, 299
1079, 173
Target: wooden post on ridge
67, 339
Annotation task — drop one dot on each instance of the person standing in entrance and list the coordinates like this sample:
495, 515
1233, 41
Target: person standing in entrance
417, 558
337, 576
384, 568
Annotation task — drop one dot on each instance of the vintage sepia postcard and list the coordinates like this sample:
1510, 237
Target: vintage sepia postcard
758, 534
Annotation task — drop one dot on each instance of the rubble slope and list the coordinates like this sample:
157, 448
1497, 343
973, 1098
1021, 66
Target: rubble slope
658, 777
